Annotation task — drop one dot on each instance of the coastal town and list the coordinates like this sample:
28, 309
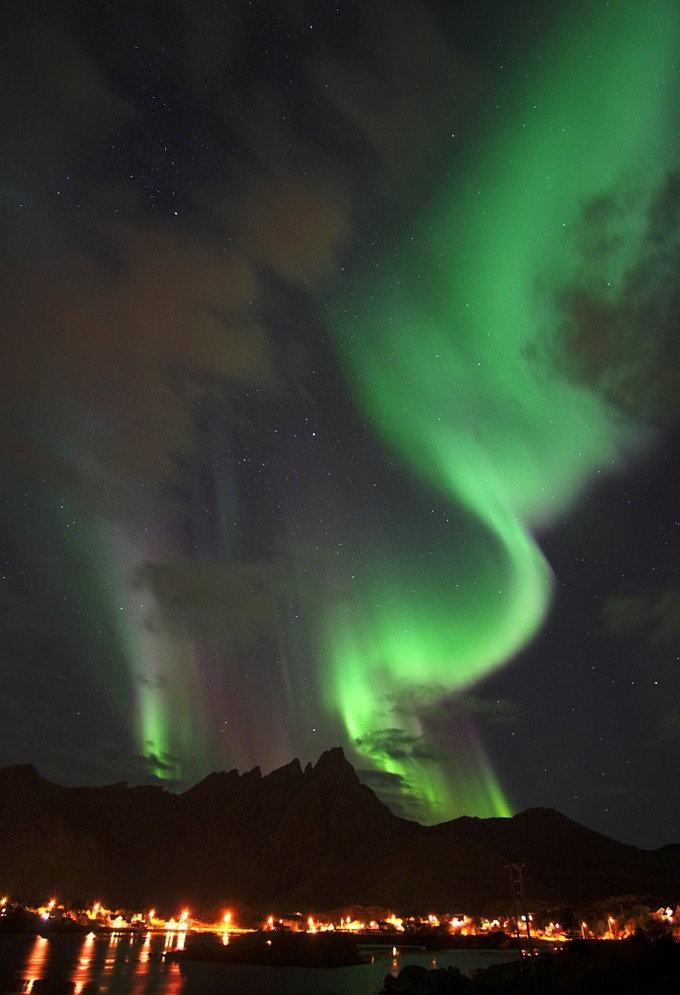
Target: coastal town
70, 948
615, 919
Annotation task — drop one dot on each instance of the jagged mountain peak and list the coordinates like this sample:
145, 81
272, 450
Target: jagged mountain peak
289, 771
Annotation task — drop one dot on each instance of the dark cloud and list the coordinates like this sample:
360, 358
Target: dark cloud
653, 617
496, 710
148, 214
237, 602
403, 99
622, 334
397, 744
154, 763
157, 682
383, 780
54, 94
134, 352
394, 790
435, 704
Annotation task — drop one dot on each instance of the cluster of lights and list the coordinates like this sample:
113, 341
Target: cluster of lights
178, 925
176, 928
47, 911
99, 914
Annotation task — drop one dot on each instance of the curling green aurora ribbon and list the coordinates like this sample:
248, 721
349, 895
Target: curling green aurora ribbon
450, 355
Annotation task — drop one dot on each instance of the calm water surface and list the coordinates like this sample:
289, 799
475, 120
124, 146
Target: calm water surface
135, 965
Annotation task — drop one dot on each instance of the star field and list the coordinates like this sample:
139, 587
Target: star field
340, 364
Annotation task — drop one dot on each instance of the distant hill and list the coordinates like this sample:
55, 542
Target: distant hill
310, 839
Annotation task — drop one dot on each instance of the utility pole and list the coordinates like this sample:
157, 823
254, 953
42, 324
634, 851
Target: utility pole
519, 904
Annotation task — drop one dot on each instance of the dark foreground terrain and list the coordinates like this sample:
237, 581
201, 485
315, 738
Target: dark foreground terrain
637, 966
279, 949
642, 965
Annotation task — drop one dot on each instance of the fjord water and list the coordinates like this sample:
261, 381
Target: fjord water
134, 965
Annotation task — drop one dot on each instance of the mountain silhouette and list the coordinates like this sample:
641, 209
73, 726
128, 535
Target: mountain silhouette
305, 839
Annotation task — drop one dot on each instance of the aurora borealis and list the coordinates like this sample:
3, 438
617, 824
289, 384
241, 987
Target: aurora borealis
453, 360
340, 402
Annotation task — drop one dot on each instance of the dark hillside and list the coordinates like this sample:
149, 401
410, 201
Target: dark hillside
314, 838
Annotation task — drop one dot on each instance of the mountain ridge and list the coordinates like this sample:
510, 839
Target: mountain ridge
314, 837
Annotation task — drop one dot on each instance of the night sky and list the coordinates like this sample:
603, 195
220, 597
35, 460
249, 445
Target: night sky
340, 399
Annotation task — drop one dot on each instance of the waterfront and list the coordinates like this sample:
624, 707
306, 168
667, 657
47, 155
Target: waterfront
125, 964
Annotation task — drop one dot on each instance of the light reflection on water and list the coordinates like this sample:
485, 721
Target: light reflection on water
119, 964
36, 958
112, 964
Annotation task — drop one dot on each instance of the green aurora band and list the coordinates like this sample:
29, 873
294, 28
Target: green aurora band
451, 354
